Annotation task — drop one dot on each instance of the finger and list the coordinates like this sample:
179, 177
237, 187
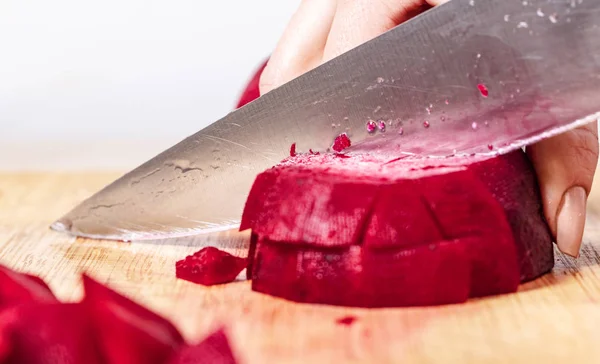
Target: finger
565, 167
301, 45
358, 21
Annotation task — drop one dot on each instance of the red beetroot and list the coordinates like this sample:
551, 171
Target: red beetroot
214, 349
512, 181
126, 331
251, 92
367, 232
18, 288
48, 333
105, 328
210, 266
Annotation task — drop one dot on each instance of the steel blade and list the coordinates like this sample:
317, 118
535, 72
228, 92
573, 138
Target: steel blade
538, 61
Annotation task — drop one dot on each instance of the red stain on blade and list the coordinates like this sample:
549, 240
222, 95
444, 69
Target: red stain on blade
483, 90
293, 150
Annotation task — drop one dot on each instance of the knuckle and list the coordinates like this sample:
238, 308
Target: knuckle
265, 82
585, 147
582, 155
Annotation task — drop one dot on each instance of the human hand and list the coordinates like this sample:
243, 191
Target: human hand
323, 29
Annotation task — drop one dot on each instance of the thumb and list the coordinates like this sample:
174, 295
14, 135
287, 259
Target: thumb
358, 21
565, 166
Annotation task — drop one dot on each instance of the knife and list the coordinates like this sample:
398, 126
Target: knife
466, 77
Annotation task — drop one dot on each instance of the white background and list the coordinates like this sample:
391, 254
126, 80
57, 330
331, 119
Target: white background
108, 84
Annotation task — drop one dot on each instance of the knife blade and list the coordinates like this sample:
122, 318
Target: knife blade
469, 76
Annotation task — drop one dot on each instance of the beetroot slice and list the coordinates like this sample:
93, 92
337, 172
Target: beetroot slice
126, 331
362, 277
214, 349
18, 288
48, 333
367, 231
210, 266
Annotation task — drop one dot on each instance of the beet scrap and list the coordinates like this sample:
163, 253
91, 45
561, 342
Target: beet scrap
18, 288
214, 349
126, 331
346, 320
373, 231
341, 142
48, 333
210, 266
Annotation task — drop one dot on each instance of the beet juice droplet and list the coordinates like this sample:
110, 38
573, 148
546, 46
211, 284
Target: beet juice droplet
490, 147
483, 90
371, 126
293, 150
381, 125
341, 142
426, 124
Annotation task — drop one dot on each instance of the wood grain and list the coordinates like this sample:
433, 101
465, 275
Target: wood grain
555, 319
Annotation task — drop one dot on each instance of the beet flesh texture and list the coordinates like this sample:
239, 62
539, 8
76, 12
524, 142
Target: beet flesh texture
104, 328
364, 231
210, 266
126, 331
214, 349
48, 333
16, 288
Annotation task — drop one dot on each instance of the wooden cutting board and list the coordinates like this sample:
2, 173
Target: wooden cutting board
555, 319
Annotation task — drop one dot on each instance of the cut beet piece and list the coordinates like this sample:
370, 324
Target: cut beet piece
21, 288
376, 231
214, 349
341, 142
210, 266
48, 333
126, 331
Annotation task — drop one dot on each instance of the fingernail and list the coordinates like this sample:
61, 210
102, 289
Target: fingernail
570, 221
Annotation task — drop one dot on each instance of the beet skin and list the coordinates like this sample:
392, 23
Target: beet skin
363, 230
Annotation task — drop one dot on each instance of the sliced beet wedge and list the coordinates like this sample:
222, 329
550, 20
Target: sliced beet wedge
48, 333
126, 331
214, 349
373, 231
16, 288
